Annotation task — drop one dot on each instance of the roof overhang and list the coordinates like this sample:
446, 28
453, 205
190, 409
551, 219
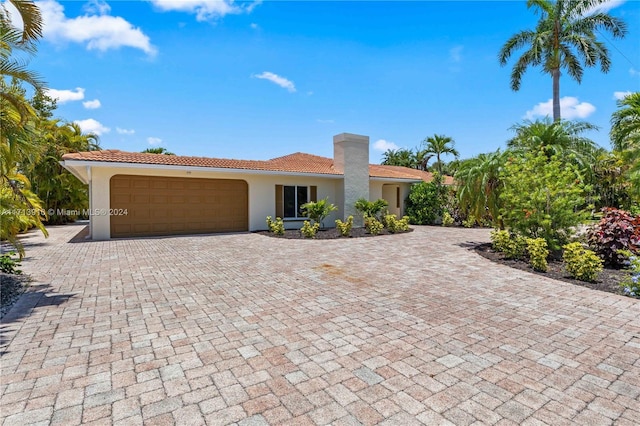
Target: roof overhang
80, 169
397, 180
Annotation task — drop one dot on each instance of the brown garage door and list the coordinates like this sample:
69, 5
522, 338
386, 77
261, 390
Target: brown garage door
170, 206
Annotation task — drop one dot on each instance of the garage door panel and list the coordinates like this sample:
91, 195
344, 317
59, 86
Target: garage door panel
169, 206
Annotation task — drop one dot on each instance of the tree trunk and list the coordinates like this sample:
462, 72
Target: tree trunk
556, 94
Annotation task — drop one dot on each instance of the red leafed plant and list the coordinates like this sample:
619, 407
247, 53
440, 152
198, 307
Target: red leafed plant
617, 230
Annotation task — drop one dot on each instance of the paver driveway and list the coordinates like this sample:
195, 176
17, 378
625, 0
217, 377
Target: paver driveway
405, 329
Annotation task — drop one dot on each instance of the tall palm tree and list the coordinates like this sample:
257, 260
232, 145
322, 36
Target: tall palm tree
479, 184
625, 123
564, 39
439, 145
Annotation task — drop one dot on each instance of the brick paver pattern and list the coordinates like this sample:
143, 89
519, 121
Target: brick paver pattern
250, 330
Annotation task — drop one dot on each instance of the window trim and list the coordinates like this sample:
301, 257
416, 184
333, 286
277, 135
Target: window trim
312, 195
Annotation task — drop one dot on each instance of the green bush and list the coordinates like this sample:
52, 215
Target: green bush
318, 210
469, 222
276, 226
345, 227
393, 224
543, 197
511, 245
373, 225
447, 219
371, 208
9, 265
309, 230
581, 263
425, 202
538, 253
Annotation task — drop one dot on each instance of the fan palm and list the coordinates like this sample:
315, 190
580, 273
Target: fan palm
564, 39
439, 145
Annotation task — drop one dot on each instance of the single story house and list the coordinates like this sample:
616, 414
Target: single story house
137, 194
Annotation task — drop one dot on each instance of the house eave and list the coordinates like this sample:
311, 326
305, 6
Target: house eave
399, 180
71, 164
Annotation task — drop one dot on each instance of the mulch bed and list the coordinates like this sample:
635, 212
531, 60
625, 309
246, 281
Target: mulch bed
327, 234
11, 287
608, 280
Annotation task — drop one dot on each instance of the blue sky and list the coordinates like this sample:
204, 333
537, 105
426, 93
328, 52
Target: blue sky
260, 80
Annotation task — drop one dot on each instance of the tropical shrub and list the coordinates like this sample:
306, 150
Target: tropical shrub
469, 222
318, 210
345, 227
393, 224
371, 208
581, 263
616, 231
373, 225
511, 245
543, 197
276, 226
447, 219
309, 230
479, 185
538, 253
8, 264
425, 202
631, 284
500, 239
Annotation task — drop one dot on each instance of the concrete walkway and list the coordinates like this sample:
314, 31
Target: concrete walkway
400, 330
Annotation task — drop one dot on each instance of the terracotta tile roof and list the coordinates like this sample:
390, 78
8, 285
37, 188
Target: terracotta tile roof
297, 163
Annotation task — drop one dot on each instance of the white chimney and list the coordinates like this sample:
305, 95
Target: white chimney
351, 157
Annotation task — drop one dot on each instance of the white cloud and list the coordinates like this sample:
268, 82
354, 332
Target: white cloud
604, 7
97, 7
319, 120
634, 72
570, 108
94, 104
280, 81
621, 95
96, 29
383, 145
154, 141
64, 95
455, 53
92, 126
205, 10
125, 131
254, 26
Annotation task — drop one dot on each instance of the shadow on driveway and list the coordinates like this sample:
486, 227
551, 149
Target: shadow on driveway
34, 297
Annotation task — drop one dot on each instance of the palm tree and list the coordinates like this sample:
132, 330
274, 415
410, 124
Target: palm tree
625, 123
561, 138
479, 184
625, 138
17, 120
399, 157
30, 16
158, 150
564, 38
439, 145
